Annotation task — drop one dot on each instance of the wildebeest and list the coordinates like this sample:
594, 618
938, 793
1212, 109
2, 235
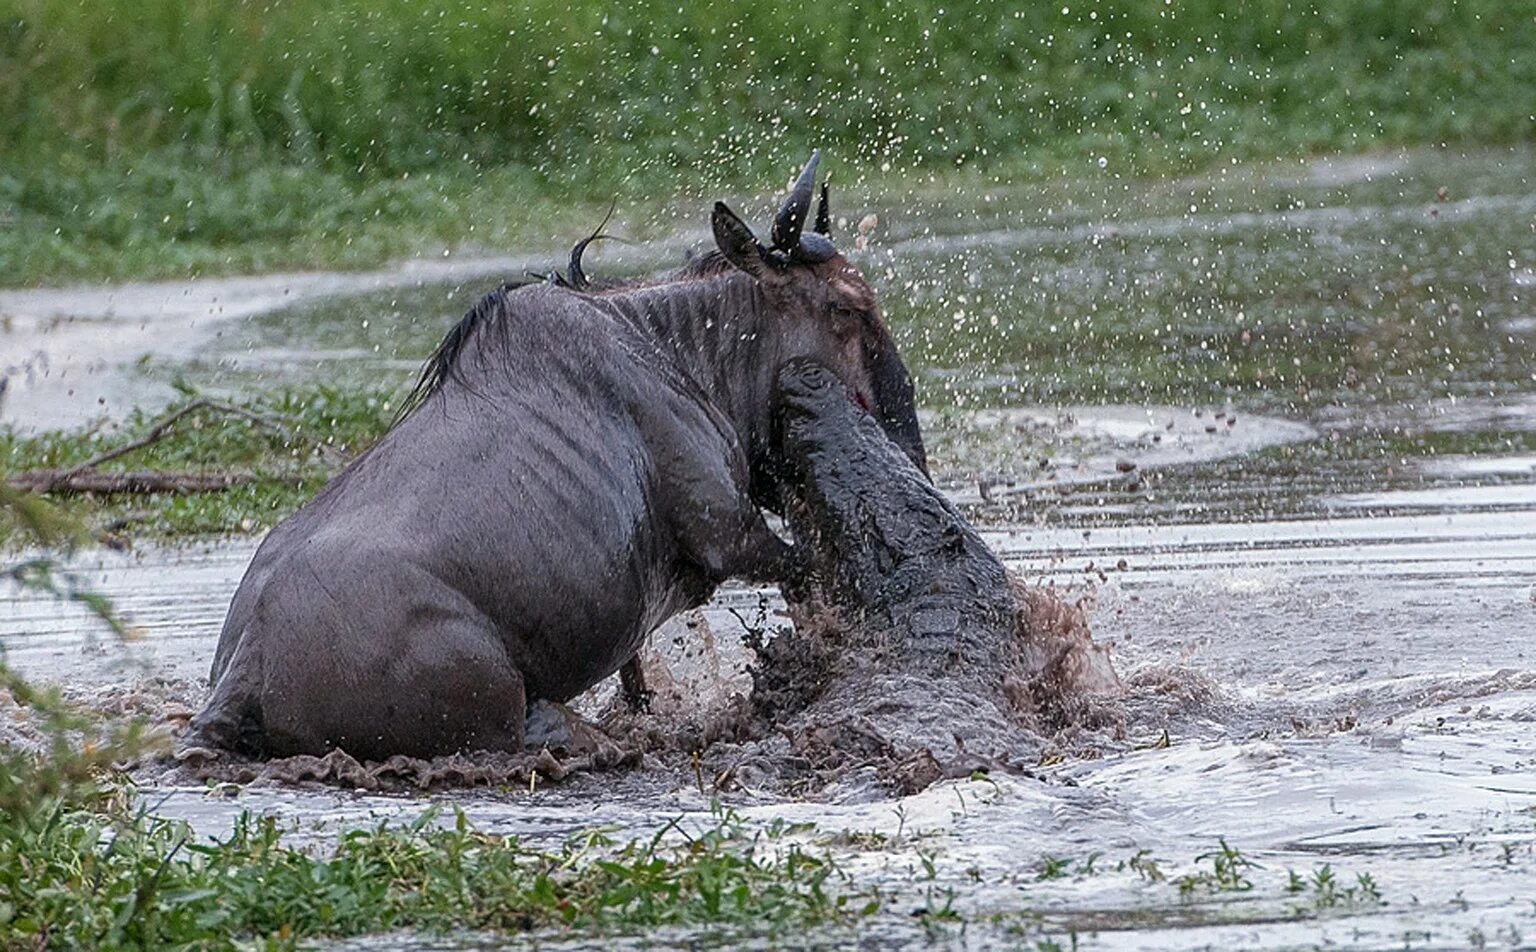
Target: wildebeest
582, 463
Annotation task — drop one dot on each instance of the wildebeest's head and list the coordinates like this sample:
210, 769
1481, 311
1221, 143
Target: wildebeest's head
829, 312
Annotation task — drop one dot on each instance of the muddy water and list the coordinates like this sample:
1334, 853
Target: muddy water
1295, 483
1355, 691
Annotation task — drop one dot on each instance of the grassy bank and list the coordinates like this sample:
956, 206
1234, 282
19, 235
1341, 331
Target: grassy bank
281, 449
177, 136
159, 886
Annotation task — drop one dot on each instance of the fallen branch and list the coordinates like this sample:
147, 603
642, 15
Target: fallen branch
163, 425
72, 481
86, 478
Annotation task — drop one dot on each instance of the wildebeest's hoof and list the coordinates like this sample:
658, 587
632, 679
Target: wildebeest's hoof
194, 755
552, 726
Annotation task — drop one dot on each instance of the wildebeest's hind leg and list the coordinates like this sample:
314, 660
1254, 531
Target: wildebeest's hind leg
445, 687
232, 718
371, 672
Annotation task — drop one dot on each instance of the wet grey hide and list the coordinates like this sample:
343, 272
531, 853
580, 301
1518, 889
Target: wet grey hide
582, 464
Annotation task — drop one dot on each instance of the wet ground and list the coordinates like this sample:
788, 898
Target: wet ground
1278, 425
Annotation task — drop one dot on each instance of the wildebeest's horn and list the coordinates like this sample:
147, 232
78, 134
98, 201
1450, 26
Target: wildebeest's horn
823, 214
791, 218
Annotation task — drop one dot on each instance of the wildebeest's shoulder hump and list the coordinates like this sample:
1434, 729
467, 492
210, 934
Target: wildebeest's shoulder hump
441, 364
497, 313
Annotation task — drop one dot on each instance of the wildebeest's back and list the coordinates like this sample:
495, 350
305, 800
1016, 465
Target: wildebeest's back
477, 487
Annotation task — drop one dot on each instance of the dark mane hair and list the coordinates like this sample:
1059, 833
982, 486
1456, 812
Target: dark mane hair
442, 365
707, 265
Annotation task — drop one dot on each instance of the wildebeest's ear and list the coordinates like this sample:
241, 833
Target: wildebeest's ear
740, 247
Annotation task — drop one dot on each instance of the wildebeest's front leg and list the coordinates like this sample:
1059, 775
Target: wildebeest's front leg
703, 482
702, 493
637, 694
722, 531
758, 555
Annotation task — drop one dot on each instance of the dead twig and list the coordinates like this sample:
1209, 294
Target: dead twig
87, 478
162, 426
66, 482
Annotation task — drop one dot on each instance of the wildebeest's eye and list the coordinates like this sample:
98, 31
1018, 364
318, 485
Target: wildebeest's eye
851, 315
846, 321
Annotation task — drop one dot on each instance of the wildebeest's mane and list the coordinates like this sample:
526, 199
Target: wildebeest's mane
442, 365
707, 265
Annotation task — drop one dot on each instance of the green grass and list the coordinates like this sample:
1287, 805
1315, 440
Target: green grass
168, 214
302, 439
94, 874
178, 136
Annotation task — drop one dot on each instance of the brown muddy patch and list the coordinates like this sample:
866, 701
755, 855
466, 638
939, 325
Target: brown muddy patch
400, 774
834, 713
828, 716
